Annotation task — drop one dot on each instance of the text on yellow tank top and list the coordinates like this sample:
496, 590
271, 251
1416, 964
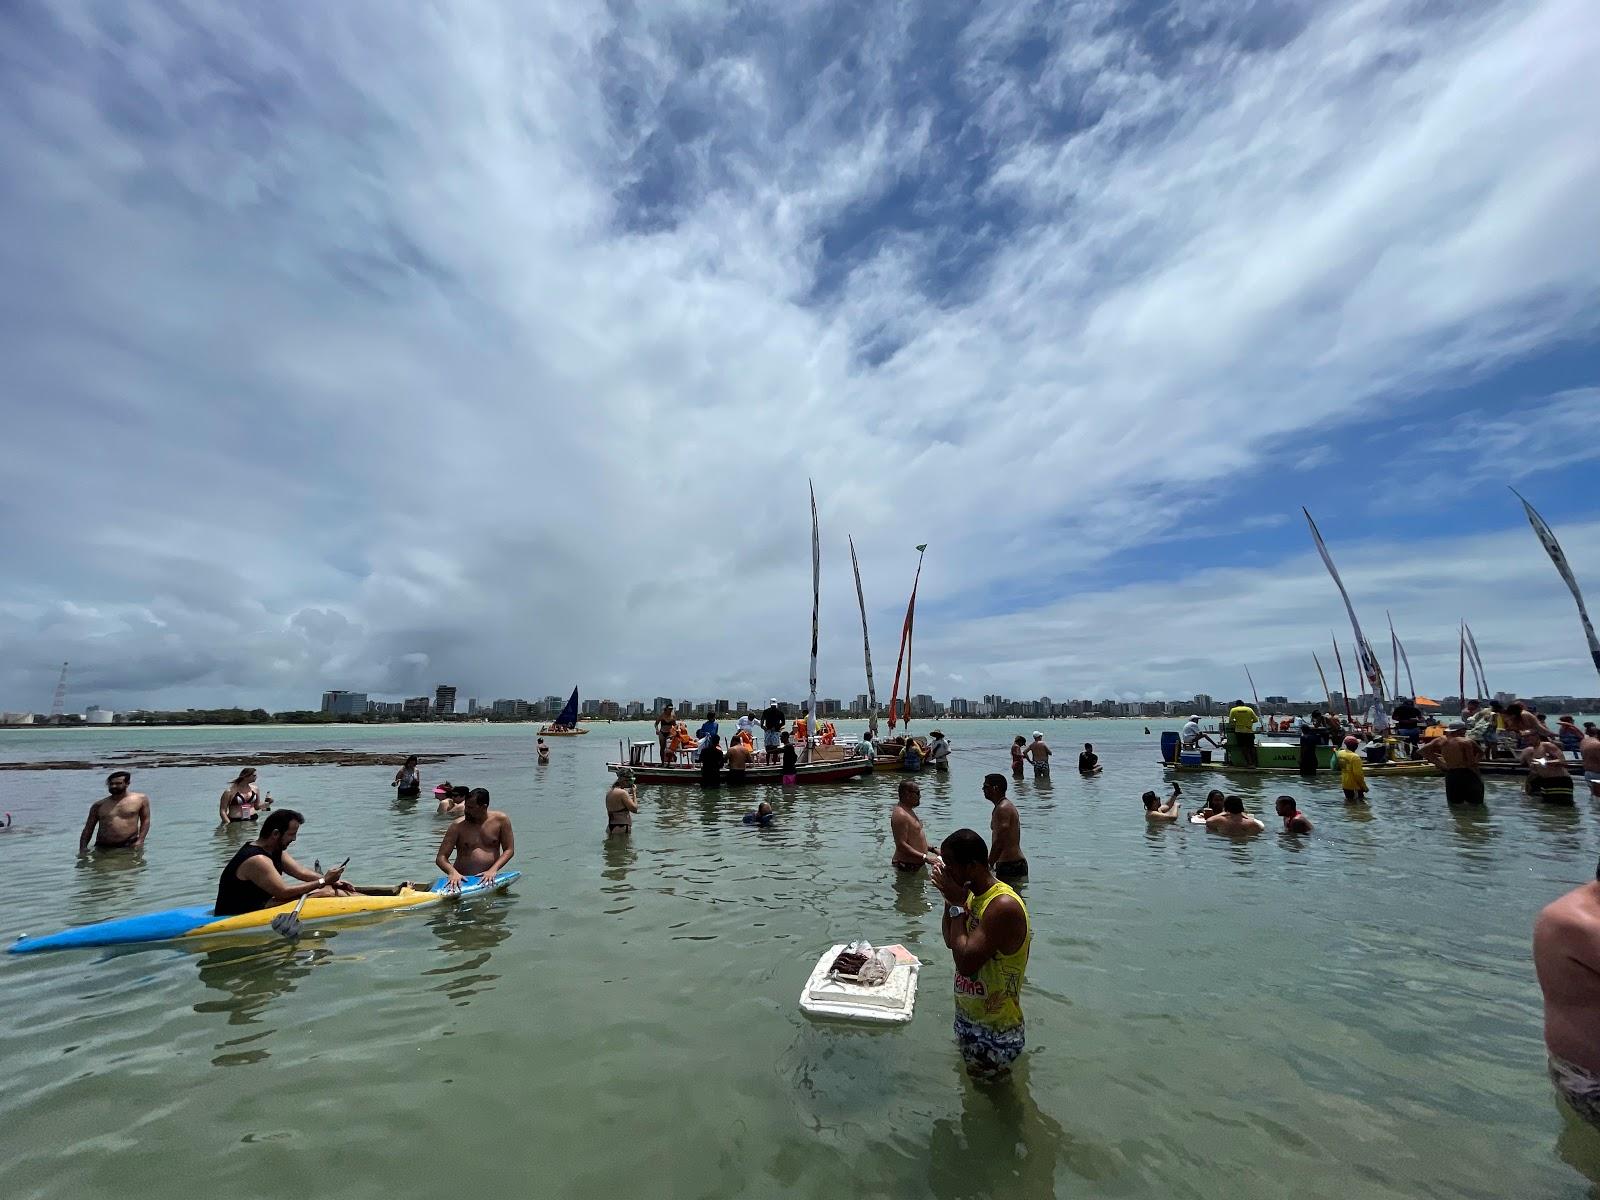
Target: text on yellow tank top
994, 998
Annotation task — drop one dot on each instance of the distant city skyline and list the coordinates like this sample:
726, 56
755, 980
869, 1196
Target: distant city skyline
339, 702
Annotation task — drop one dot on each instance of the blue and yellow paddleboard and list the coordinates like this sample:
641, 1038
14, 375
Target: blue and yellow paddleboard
198, 920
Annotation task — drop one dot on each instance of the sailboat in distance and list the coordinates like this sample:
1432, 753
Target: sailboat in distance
566, 725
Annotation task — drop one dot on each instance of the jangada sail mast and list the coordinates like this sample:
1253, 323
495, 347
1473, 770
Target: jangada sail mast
1366, 660
904, 657
816, 601
866, 645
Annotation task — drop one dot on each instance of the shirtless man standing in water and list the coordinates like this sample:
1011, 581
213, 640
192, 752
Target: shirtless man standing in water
911, 851
480, 839
120, 821
1005, 833
1566, 955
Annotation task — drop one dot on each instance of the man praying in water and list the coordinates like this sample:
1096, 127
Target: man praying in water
987, 929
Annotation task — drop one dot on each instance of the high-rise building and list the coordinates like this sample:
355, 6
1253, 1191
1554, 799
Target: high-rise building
344, 704
416, 706
472, 706
659, 703
741, 708
634, 710
444, 701
922, 705
610, 710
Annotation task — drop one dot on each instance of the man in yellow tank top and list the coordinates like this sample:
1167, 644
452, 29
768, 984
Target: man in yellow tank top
987, 929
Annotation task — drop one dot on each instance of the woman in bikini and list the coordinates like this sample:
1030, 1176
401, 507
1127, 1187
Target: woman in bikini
622, 801
240, 801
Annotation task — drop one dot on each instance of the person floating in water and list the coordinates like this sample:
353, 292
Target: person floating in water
1294, 821
911, 851
120, 821
407, 782
1005, 832
255, 876
1566, 958
453, 801
1352, 772
1211, 808
987, 929
622, 801
1157, 812
481, 840
762, 815
1233, 819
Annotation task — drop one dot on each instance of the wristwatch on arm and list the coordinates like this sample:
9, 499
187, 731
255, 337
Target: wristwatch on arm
954, 910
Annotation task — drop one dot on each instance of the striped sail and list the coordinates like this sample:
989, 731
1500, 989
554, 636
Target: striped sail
1547, 538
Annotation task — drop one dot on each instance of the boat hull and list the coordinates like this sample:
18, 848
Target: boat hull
806, 773
1381, 769
562, 732
197, 920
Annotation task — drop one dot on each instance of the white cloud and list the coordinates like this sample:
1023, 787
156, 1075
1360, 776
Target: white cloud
353, 346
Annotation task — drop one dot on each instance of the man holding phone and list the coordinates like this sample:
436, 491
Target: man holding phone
254, 877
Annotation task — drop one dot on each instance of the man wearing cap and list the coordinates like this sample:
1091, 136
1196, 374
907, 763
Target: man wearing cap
1458, 757
1038, 754
1191, 737
938, 751
772, 724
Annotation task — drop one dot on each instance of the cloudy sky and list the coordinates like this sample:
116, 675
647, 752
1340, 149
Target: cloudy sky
376, 345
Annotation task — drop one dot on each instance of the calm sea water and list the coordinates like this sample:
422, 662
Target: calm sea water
1349, 1014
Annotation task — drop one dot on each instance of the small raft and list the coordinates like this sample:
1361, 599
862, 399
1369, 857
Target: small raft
198, 920
889, 1003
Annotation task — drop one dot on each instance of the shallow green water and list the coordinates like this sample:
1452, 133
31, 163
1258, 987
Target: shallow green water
1350, 1014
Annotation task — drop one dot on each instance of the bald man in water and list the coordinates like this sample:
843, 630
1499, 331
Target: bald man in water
1566, 955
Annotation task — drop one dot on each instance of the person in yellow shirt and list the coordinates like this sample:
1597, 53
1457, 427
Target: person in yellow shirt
1242, 721
1352, 772
987, 929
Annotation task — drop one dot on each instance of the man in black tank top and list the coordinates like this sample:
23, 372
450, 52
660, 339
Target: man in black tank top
254, 877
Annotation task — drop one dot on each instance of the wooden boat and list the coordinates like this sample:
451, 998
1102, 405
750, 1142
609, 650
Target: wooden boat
566, 725
1276, 757
835, 771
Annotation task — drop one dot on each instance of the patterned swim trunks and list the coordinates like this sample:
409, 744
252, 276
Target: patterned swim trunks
1578, 1088
987, 1051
